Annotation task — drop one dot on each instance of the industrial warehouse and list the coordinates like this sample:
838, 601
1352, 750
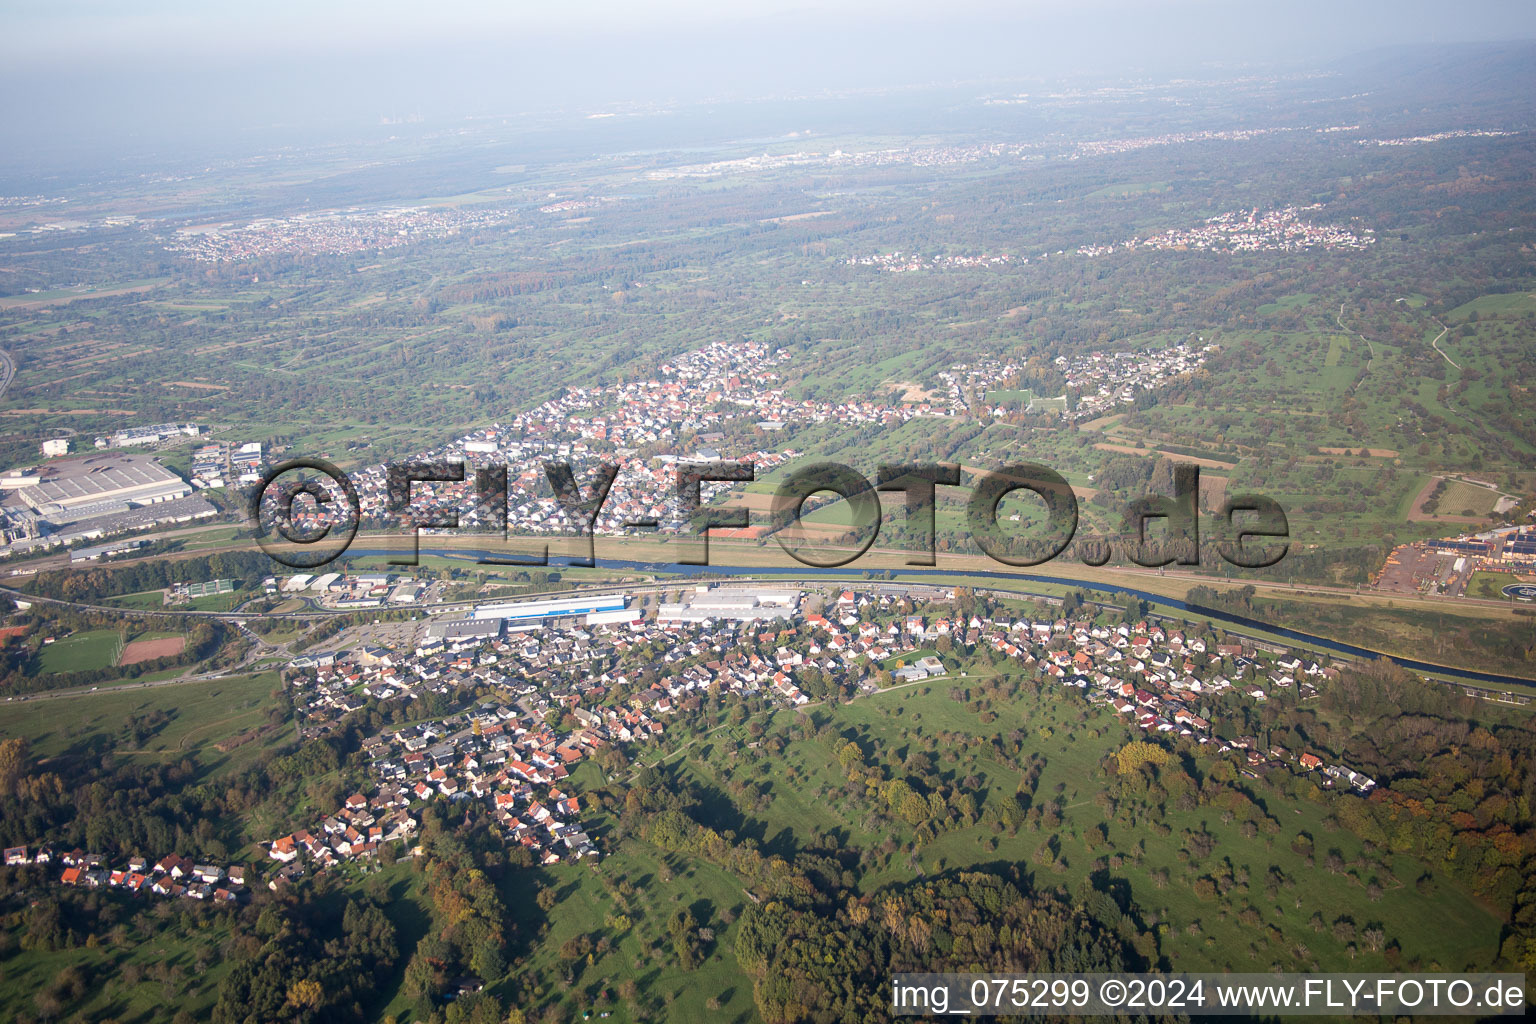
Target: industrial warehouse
537, 611
75, 499
489, 620
733, 605
76, 484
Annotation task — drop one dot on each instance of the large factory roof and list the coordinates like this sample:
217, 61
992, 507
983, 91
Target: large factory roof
98, 478
731, 604
555, 608
463, 629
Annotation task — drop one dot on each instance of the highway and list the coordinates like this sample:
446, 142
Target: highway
235, 617
995, 584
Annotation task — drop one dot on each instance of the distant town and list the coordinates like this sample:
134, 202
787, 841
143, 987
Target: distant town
331, 232
1281, 230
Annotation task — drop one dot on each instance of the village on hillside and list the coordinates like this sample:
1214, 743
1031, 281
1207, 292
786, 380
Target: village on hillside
546, 685
532, 690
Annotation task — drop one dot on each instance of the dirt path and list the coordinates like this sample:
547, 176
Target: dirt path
1416, 509
1126, 449
1444, 330
1340, 321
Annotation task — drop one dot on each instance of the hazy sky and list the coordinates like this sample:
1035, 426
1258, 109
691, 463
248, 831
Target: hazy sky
89, 70
42, 32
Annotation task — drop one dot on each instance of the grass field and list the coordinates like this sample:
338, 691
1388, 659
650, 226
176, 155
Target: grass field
126, 970
1509, 304
805, 790
900, 660
1298, 301
1010, 397
201, 714
214, 538
151, 600
1026, 400
217, 602
1337, 346
1128, 189
1490, 584
81, 652
1469, 636
663, 884
61, 295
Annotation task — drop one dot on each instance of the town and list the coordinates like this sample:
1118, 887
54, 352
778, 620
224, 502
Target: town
695, 395
704, 394
534, 688
541, 686
1104, 380
1240, 231
699, 396
334, 232
906, 262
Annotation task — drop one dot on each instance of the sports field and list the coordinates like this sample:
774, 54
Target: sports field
80, 652
149, 650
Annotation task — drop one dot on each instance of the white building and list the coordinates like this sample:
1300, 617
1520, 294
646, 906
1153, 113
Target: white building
730, 604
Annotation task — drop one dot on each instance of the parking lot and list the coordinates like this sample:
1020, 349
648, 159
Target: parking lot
400, 636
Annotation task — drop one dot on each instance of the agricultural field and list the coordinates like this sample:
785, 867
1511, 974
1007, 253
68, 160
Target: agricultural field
1464, 499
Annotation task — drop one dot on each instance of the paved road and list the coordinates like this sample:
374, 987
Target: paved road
259, 651
185, 613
